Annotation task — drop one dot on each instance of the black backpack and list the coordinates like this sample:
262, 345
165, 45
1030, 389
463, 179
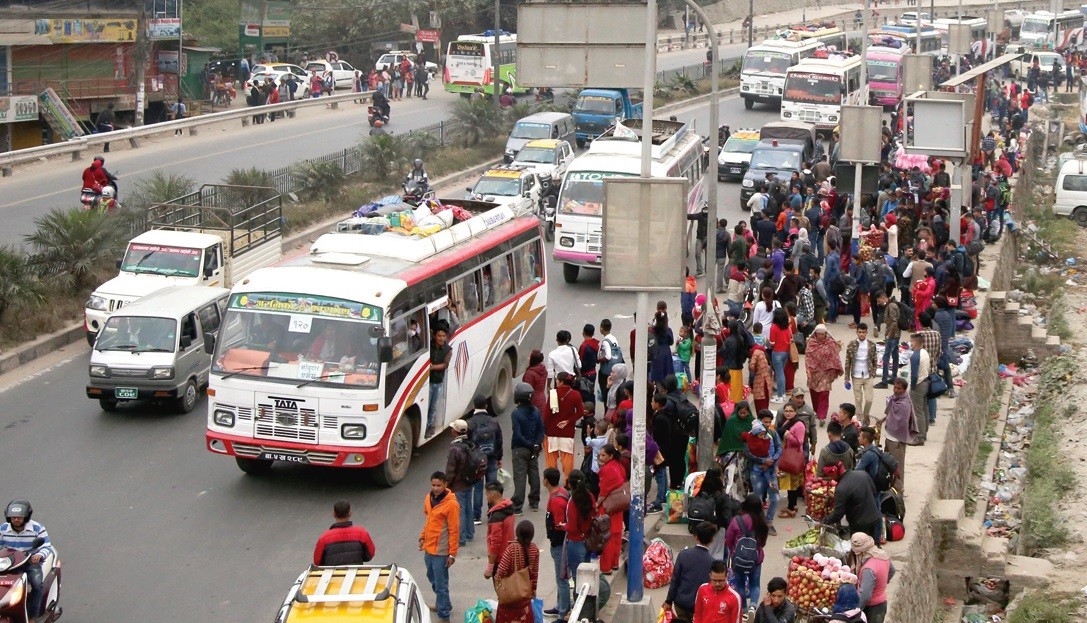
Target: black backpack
905, 316
485, 434
886, 469
475, 469
891, 504
745, 556
702, 507
686, 416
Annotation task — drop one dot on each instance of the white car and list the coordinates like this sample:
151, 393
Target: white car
1019, 68
342, 73
735, 155
397, 56
518, 187
910, 18
548, 158
278, 72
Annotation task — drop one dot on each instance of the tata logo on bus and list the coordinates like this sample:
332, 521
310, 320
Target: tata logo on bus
285, 403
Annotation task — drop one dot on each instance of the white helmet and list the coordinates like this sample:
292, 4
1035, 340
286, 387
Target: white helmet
109, 192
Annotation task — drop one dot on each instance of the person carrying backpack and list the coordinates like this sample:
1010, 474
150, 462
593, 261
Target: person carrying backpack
745, 541
463, 472
486, 435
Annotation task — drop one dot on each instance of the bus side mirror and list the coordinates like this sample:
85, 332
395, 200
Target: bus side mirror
384, 349
209, 343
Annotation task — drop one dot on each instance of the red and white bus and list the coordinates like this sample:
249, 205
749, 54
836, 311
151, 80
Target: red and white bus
325, 359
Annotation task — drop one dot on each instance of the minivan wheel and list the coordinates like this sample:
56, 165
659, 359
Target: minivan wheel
109, 406
1079, 215
186, 402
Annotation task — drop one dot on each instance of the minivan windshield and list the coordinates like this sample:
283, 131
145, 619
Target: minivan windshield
536, 155
161, 260
530, 130
778, 159
501, 186
138, 334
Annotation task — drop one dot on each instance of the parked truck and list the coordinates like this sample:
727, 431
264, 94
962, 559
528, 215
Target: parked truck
597, 109
214, 236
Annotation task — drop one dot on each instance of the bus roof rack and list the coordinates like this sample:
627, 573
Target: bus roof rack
348, 574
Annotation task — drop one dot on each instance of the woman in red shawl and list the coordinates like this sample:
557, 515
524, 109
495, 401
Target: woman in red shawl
823, 363
518, 555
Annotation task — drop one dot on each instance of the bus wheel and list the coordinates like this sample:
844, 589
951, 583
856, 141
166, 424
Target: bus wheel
502, 394
749, 103
254, 467
401, 445
569, 272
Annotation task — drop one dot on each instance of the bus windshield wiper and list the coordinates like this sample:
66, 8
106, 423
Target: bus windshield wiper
240, 370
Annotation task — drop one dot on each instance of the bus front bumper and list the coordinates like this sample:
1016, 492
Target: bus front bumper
290, 452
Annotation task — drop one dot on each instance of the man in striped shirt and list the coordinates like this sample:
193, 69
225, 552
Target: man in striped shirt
20, 533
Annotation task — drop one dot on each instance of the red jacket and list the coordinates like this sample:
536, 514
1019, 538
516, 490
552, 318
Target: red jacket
577, 527
536, 376
612, 476
344, 544
499, 529
712, 606
94, 177
570, 408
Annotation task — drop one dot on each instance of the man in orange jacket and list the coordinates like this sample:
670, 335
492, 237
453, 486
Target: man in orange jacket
438, 540
717, 602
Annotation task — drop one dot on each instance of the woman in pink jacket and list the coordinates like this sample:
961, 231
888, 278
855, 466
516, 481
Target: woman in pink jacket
923, 291
874, 571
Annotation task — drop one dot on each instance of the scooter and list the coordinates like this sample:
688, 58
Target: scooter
546, 213
15, 586
373, 114
88, 197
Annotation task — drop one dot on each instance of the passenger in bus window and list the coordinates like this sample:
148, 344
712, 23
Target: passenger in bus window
415, 339
267, 334
326, 345
488, 289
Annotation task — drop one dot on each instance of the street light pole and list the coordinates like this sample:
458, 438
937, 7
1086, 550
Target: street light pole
497, 61
711, 323
751, 22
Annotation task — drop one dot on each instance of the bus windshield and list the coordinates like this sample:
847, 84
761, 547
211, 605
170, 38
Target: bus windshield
300, 338
1035, 25
767, 62
883, 71
814, 88
583, 193
161, 260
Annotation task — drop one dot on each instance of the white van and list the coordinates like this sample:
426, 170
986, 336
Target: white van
1070, 191
154, 349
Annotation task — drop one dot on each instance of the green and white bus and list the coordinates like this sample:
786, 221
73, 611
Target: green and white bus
469, 63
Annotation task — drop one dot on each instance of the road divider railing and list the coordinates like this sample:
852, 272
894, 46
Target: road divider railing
77, 146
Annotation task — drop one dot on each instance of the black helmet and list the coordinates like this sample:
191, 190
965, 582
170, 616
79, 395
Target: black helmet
522, 393
18, 508
418, 164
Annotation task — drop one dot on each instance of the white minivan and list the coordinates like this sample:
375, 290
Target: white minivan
1070, 191
154, 348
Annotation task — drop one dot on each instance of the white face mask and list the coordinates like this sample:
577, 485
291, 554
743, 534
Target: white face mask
412, 332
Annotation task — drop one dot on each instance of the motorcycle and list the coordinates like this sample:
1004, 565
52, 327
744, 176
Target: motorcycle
89, 197
373, 114
15, 586
546, 214
416, 191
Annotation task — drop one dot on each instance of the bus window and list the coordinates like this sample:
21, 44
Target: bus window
526, 264
408, 335
501, 280
464, 299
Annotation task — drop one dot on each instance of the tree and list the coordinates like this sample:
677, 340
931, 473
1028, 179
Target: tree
19, 285
159, 187
214, 23
475, 121
70, 246
384, 155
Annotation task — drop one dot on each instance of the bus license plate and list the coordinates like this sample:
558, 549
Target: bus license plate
281, 456
130, 393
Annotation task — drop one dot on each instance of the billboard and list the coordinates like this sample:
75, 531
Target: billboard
268, 19
91, 30
164, 28
18, 108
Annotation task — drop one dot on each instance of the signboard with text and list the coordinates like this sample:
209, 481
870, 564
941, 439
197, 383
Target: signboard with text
18, 108
164, 28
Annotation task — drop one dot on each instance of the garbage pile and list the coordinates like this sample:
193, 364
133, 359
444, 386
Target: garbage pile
988, 601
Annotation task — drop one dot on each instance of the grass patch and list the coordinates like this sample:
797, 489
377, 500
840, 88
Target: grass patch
1048, 477
1039, 606
58, 312
699, 87
1045, 286
1057, 322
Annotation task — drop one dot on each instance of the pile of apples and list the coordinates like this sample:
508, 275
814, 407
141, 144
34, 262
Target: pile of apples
814, 582
819, 497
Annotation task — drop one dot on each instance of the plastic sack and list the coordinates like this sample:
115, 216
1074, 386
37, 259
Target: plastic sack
537, 611
665, 616
482, 612
693, 484
674, 507
505, 479
657, 564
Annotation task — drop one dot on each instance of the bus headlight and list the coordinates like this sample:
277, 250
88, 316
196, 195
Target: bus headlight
99, 371
97, 303
353, 431
224, 418
748, 183
832, 118
566, 241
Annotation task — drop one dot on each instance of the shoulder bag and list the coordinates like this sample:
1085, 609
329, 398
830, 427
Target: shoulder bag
618, 500
516, 587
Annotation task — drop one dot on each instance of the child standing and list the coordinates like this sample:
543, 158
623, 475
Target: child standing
597, 440
684, 347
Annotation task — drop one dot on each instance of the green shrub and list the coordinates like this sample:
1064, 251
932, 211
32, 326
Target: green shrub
384, 157
19, 284
319, 179
70, 246
475, 121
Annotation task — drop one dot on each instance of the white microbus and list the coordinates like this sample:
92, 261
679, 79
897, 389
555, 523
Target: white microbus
1043, 29
762, 75
469, 63
326, 359
817, 88
677, 152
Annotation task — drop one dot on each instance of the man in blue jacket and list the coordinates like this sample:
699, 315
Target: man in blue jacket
528, 435
692, 570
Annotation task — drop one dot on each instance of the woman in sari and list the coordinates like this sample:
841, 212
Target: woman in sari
823, 363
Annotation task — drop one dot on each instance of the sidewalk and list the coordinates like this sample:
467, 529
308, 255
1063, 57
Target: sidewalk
885, 12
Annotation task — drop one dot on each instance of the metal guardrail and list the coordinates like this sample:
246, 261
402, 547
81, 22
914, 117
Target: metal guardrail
76, 146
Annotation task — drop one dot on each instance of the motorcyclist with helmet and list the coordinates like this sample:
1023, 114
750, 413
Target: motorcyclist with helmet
527, 440
95, 177
19, 533
418, 173
107, 201
381, 102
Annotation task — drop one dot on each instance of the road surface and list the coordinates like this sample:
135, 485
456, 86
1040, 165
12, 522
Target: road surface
153, 527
